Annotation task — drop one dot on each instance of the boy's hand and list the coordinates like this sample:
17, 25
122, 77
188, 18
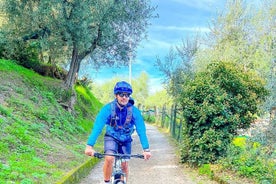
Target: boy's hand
147, 155
89, 151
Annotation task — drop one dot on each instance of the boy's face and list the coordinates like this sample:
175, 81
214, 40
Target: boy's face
122, 98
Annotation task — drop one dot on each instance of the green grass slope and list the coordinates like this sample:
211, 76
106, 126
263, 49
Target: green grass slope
40, 140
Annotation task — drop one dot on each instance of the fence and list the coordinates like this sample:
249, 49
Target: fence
172, 119
169, 118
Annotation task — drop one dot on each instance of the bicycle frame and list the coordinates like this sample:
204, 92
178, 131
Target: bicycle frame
118, 176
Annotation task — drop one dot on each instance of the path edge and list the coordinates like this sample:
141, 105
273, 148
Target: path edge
75, 175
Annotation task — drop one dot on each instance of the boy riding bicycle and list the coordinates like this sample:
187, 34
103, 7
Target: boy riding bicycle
120, 118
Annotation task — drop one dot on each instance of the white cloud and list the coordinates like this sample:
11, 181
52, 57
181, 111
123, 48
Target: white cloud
155, 43
177, 28
153, 47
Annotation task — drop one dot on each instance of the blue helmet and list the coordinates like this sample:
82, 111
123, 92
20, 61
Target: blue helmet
122, 87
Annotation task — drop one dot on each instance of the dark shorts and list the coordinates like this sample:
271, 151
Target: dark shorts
112, 145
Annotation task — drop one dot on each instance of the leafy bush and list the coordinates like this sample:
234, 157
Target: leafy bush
25, 53
250, 159
149, 118
216, 103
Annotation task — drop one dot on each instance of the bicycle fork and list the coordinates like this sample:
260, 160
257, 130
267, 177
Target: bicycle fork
118, 176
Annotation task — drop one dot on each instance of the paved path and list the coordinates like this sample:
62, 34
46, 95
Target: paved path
162, 168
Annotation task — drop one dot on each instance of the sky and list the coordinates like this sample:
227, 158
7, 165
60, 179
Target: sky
177, 20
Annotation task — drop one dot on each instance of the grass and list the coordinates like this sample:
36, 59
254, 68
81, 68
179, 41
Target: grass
40, 140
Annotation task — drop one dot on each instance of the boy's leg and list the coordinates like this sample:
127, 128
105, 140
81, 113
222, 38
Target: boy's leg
110, 146
107, 168
125, 148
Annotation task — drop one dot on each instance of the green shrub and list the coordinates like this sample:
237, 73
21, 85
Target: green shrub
216, 103
250, 160
149, 118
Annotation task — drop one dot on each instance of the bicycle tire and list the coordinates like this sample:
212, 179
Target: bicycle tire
117, 176
119, 182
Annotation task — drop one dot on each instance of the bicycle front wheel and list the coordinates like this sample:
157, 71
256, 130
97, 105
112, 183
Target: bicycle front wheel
119, 182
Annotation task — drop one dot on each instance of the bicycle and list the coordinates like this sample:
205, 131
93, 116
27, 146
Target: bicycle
118, 176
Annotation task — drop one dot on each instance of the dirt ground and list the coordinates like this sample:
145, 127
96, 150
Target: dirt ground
162, 168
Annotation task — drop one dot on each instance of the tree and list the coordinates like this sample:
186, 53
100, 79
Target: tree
140, 87
104, 92
237, 35
177, 66
159, 99
244, 33
216, 103
97, 29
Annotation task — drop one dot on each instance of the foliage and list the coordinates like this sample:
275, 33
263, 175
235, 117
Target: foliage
149, 118
252, 160
239, 142
244, 34
215, 105
104, 91
26, 54
40, 140
140, 87
177, 65
99, 30
158, 99
206, 170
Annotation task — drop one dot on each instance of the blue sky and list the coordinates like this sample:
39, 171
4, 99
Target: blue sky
177, 20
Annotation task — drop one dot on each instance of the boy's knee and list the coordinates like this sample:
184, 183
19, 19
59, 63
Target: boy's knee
125, 166
109, 160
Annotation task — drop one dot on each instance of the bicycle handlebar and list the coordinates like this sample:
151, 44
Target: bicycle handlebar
118, 155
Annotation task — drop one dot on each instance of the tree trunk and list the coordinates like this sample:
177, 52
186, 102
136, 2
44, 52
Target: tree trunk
73, 70
72, 77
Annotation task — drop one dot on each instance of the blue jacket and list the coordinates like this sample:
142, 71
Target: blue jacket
103, 119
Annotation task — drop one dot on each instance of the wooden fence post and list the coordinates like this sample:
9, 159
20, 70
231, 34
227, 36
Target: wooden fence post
171, 120
163, 116
179, 130
174, 120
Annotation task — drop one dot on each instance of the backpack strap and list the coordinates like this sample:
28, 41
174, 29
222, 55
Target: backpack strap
129, 116
113, 118
113, 114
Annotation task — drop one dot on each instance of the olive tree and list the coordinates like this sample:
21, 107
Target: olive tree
177, 66
101, 30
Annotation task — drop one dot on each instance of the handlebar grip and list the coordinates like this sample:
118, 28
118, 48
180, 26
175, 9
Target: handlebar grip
98, 155
139, 156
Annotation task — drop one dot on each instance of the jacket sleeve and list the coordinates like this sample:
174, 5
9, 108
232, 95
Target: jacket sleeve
140, 127
99, 124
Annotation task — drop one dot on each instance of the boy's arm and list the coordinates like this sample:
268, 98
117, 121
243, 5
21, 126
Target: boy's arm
99, 124
140, 128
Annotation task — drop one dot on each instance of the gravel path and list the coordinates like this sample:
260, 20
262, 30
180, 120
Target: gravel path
162, 168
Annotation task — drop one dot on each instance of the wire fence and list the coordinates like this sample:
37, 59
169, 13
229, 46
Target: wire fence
166, 117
